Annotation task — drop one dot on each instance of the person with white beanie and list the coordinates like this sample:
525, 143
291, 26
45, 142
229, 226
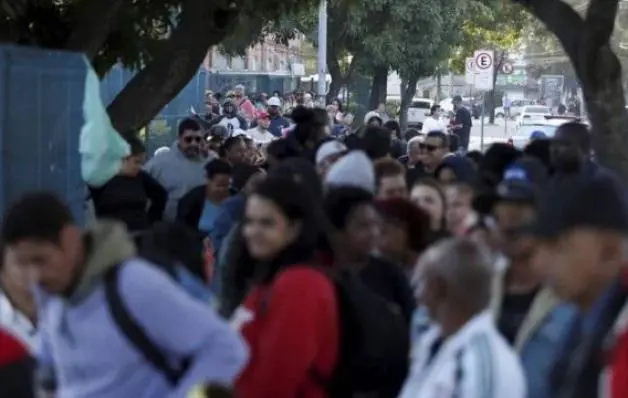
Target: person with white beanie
328, 154
353, 170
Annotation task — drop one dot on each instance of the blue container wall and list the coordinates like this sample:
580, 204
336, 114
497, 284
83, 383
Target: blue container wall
41, 93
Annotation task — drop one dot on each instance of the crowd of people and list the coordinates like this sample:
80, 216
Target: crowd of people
267, 256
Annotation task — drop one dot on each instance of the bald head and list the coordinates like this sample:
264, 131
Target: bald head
462, 271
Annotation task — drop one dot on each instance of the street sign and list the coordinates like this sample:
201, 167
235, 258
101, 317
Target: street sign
508, 68
469, 74
484, 68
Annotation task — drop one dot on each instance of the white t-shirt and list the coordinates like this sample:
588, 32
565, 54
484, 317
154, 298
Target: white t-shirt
260, 136
431, 124
231, 124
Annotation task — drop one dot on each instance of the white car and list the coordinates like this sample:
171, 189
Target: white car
418, 111
533, 112
547, 126
516, 107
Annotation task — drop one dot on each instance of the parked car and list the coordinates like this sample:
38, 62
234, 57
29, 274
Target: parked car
418, 111
546, 125
516, 107
533, 112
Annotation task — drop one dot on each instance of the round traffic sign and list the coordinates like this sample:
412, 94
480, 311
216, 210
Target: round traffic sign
470, 63
508, 68
484, 61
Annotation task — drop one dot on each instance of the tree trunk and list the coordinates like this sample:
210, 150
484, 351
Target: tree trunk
586, 43
439, 85
378, 87
604, 96
178, 59
408, 91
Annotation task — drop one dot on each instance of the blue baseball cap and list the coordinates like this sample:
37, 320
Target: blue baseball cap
522, 181
538, 135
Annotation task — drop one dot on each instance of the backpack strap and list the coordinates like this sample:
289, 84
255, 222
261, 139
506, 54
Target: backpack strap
133, 331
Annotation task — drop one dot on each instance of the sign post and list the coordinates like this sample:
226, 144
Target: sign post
469, 70
484, 67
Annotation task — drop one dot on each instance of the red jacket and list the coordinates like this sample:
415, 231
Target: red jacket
619, 368
16, 367
616, 373
292, 330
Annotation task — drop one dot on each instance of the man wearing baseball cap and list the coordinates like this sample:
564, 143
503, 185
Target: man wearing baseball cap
527, 313
582, 234
277, 122
261, 133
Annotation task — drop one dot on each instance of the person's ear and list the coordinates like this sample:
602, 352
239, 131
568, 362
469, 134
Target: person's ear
294, 230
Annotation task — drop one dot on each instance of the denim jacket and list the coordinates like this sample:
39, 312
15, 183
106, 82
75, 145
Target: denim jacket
540, 335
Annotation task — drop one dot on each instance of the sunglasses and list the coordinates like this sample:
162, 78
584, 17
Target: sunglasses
428, 147
189, 139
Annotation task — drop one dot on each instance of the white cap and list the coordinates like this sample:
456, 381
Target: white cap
161, 150
329, 148
353, 170
274, 101
239, 132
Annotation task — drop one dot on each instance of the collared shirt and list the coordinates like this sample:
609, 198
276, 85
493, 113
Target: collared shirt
475, 362
16, 323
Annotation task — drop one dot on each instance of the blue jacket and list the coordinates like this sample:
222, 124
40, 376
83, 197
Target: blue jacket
231, 211
277, 124
540, 336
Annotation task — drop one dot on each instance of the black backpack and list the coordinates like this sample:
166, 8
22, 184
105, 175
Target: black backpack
135, 333
374, 342
374, 349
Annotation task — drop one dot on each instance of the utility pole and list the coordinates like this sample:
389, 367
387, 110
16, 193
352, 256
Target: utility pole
322, 51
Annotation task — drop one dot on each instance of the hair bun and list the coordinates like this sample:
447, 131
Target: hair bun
301, 114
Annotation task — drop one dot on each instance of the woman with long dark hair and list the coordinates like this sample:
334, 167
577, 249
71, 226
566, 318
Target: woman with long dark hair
290, 315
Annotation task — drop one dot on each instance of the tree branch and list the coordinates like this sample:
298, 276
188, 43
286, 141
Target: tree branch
562, 20
600, 22
201, 26
96, 19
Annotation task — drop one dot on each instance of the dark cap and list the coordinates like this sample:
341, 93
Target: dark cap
597, 202
522, 181
457, 98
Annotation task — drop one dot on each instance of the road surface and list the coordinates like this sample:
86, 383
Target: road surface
498, 132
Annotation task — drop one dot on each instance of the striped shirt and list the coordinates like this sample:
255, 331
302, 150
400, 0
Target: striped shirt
476, 362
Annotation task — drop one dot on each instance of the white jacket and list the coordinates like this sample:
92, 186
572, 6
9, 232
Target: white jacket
16, 323
476, 362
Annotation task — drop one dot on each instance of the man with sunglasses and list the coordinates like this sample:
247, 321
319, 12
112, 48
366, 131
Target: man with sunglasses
527, 313
435, 147
182, 168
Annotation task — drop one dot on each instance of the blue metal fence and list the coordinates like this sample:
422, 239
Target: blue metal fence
41, 93
162, 131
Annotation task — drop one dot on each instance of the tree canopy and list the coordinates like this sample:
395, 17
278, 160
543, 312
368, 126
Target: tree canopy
165, 40
494, 24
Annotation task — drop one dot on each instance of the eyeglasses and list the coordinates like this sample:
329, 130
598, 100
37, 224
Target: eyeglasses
189, 139
428, 147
